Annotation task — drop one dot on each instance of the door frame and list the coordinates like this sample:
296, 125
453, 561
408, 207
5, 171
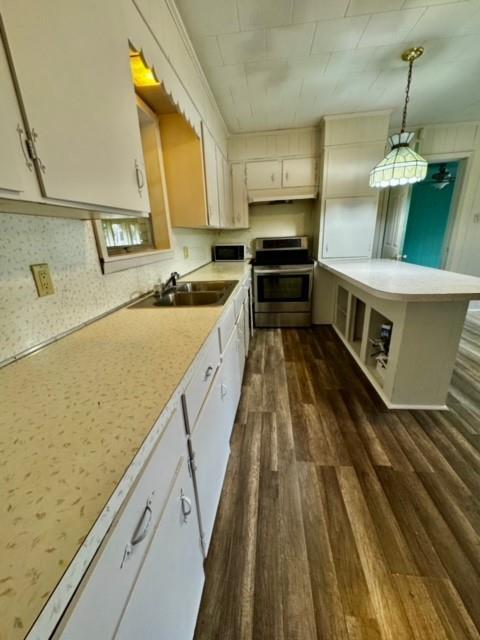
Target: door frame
456, 205
451, 234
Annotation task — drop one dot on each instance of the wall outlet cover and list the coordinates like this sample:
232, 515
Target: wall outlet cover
43, 279
186, 252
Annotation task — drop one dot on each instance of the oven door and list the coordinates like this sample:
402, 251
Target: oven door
283, 289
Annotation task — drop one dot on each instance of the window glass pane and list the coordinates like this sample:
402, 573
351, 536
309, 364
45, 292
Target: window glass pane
125, 236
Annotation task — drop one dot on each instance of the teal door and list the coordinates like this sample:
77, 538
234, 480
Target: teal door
428, 219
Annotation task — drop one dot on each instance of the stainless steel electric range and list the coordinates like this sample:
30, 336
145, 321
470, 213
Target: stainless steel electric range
282, 282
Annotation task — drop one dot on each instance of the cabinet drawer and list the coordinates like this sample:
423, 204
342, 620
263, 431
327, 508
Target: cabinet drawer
226, 324
97, 606
198, 387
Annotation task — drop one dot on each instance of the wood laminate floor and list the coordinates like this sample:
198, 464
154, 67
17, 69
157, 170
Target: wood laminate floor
339, 519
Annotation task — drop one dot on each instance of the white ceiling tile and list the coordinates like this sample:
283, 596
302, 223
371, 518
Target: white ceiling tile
208, 51
339, 34
230, 75
362, 7
245, 46
391, 27
264, 13
312, 10
265, 79
292, 41
209, 17
448, 20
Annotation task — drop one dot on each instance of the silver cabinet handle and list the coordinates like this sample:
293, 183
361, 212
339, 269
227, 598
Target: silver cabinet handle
43, 168
142, 527
28, 161
139, 175
273, 177
186, 505
286, 176
208, 372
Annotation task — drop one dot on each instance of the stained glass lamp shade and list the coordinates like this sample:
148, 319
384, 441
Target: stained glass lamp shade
401, 166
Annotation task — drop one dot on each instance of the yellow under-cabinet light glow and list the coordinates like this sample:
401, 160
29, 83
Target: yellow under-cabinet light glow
142, 75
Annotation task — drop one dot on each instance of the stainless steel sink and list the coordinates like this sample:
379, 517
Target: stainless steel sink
190, 294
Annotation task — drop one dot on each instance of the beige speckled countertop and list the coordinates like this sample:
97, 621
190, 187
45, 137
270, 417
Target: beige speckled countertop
72, 418
395, 280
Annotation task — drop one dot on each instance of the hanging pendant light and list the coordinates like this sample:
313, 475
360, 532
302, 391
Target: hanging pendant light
402, 165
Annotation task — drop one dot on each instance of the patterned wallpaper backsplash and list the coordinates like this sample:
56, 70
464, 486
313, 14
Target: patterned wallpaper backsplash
81, 290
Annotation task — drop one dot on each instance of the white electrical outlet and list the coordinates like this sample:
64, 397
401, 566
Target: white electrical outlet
186, 252
43, 279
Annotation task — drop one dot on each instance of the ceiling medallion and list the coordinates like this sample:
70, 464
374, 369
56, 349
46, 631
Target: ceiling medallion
402, 165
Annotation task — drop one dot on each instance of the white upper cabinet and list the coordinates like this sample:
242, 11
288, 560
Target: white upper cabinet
299, 172
349, 227
347, 169
239, 195
227, 185
266, 174
12, 161
71, 63
276, 179
224, 213
211, 177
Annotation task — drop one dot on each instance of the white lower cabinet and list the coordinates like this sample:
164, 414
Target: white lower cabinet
131, 546
241, 341
246, 326
231, 375
166, 596
210, 444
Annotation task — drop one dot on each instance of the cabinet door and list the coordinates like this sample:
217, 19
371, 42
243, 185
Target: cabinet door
347, 169
299, 172
71, 62
349, 227
211, 177
227, 182
165, 599
239, 195
246, 312
231, 380
266, 174
222, 212
12, 162
241, 342
211, 448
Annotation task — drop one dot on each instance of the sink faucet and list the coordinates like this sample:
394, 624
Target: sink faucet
171, 283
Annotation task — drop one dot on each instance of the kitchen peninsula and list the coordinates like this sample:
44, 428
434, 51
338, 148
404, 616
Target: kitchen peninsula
401, 322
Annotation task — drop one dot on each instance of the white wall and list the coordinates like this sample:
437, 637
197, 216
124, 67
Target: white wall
81, 290
292, 219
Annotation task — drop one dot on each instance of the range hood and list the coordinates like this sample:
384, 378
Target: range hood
282, 194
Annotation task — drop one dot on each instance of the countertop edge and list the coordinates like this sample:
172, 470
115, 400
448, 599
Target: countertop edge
400, 297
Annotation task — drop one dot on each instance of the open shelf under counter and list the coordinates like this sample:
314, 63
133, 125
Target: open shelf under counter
424, 333
357, 324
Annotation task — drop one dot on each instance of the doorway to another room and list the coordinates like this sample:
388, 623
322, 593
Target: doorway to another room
419, 218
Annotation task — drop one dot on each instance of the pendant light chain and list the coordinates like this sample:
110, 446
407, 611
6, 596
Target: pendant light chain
407, 95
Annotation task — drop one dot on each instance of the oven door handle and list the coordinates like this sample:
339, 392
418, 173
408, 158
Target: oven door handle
285, 272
